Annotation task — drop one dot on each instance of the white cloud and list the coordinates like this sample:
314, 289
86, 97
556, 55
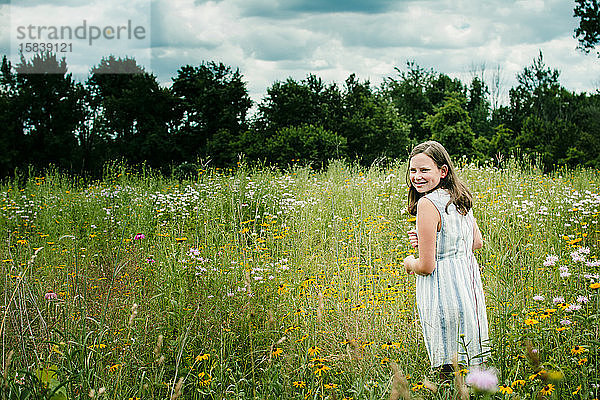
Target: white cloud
272, 40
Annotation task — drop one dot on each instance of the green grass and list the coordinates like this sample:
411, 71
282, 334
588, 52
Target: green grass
283, 285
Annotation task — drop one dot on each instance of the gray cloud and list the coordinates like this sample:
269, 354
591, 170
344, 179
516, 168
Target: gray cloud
271, 40
279, 42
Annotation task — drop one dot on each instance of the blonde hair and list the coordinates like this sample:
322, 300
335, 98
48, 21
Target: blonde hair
460, 195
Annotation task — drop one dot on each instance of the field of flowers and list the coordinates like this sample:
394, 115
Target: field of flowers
261, 284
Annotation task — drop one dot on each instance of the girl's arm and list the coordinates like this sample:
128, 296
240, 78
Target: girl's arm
428, 219
477, 238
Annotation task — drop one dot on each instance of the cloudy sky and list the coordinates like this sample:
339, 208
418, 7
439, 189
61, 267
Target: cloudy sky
270, 40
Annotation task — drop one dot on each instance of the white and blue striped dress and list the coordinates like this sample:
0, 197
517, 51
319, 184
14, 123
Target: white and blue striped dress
450, 300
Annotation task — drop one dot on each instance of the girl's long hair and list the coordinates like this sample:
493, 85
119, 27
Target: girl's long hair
460, 195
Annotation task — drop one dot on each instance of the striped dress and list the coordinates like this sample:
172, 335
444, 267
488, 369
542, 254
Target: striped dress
450, 300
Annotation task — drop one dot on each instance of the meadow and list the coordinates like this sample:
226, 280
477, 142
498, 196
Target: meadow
254, 283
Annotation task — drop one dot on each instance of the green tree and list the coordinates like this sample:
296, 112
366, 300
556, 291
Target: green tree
371, 124
408, 93
588, 31
130, 115
294, 103
450, 124
211, 97
478, 107
309, 143
11, 138
48, 109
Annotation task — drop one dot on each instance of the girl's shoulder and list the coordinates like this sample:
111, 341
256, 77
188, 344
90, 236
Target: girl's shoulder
440, 198
437, 194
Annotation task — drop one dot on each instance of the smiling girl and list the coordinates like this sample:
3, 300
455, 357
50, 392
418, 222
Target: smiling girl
449, 292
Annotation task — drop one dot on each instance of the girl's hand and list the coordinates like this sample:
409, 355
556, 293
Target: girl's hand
413, 238
408, 264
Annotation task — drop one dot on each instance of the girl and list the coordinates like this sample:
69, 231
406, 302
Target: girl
449, 292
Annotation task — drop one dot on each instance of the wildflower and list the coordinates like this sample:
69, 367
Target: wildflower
282, 288
277, 352
50, 295
584, 250
201, 357
303, 338
565, 322
180, 239
518, 382
573, 307
539, 373
114, 367
582, 361
545, 314
331, 386
505, 389
321, 368
595, 285
582, 299
314, 350
539, 298
299, 384
565, 274
550, 260
150, 260
139, 236
418, 386
531, 321
576, 390
205, 379
577, 350
482, 380
558, 299
548, 389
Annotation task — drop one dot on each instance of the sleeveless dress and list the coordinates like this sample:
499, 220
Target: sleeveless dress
450, 300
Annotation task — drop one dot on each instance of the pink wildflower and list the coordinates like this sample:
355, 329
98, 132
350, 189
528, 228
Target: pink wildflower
50, 295
482, 380
139, 236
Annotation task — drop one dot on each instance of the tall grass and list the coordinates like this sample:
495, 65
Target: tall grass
264, 284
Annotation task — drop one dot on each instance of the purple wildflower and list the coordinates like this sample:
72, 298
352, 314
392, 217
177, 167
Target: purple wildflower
593, 263
582, 299
558, 299
565, 274
538, 297
482, 380
565, 322
139, 236
50, 295
573, 307
550, 260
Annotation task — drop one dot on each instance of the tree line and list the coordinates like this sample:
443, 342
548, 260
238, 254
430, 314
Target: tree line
121, 112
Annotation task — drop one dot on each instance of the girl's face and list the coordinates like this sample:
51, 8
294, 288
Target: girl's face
424, 174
